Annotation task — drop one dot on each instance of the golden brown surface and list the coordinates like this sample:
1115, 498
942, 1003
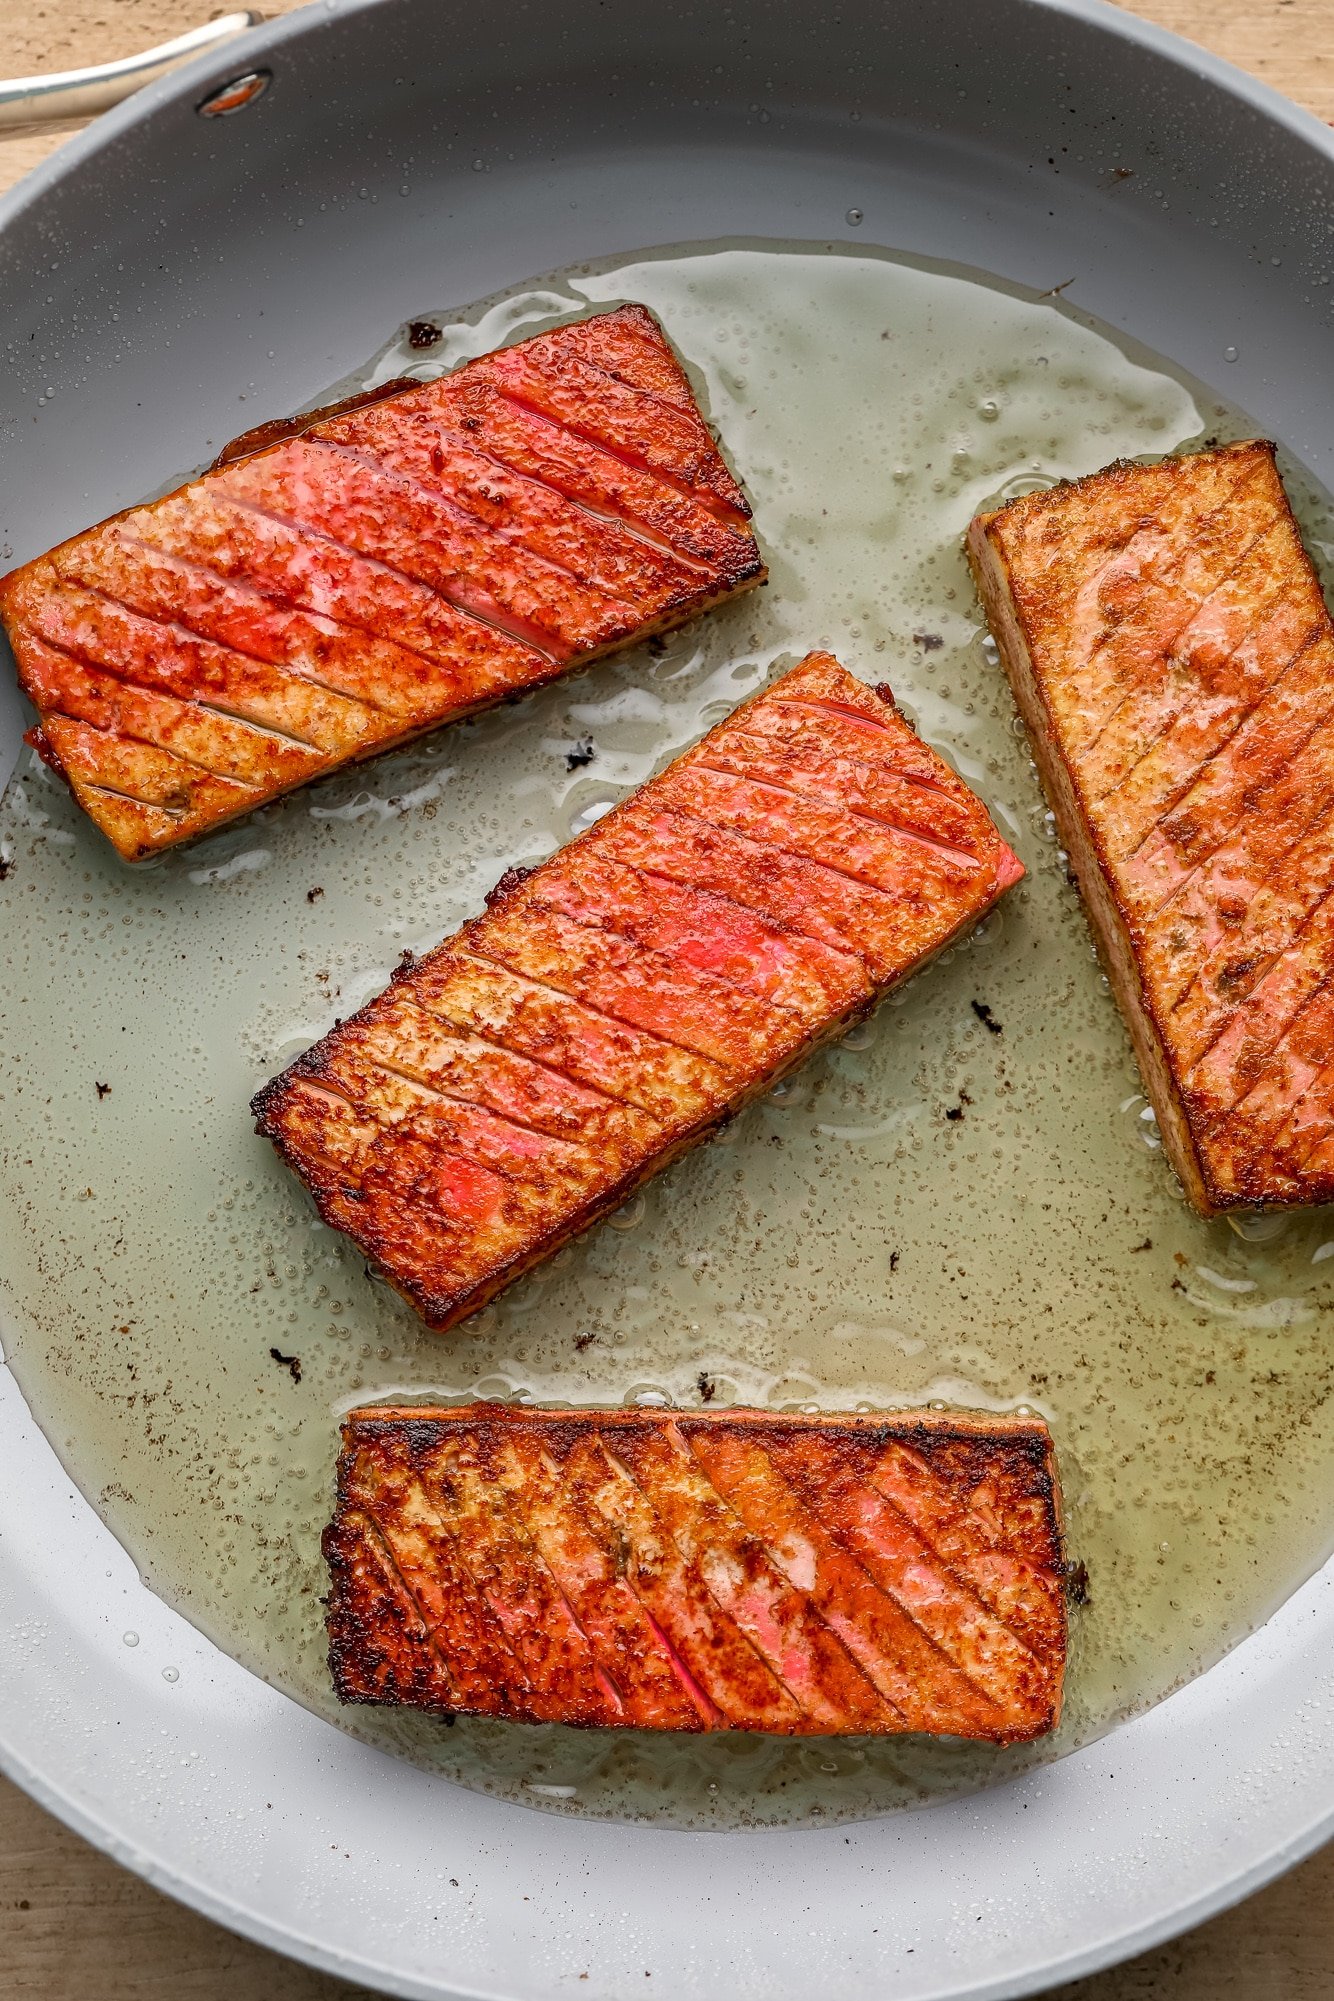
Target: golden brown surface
612, 1007
400, 564
1172, 653
718, 1570
72, 1922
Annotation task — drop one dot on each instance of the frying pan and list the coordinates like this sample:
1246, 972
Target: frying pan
149, 273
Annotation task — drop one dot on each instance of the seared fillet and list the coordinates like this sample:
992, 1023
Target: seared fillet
616, 1004
728, 1570
406, 561
1171, 651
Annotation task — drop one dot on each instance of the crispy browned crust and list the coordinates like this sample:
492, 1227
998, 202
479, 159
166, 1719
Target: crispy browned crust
1167, 642
614, 1007
719, 1570
341, 584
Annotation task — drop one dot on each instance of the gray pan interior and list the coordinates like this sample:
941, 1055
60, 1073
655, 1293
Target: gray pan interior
174, 280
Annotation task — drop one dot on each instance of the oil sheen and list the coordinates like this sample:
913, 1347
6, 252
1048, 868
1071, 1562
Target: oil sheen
964, 1203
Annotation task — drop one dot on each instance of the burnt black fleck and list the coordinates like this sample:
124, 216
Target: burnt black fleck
510, 880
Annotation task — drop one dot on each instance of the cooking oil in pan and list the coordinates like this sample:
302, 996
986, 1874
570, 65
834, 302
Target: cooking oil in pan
963, 1203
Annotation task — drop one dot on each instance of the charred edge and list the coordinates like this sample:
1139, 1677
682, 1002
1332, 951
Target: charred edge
1117, 474
265, 1102
278, 430
37, 739
989, 1436
509, 881
361, 1670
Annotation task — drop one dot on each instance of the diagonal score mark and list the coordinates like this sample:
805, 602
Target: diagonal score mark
86, 658
1168, 645
600, 518
784, 928
1320, 819
133, 736
1196, 776
847, 713
751, 840
597, 367
1183, 710
655, 956
708, 1710
774, 1558
392, 1068
531, 632
1246, 815
482, 1597
965, 1589
653, 963
506, 1500
511, 1497
621, 1472
285, 598
644, 872
1322, 1134
474, 951
945, 849
730, 517
970, 862
845, 1537
376, 1540
453, 502
856, 1561
1285, 1027
493, 1041
485, 1600
1278, 1120
244, 587
464, 611
687, 412
966, 1585
131, 798
1161, 580
496, 1501
610, 510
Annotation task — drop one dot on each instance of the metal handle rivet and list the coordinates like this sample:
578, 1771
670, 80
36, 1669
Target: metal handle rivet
236, 95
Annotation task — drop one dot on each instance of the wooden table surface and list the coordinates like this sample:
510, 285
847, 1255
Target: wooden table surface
76, 1927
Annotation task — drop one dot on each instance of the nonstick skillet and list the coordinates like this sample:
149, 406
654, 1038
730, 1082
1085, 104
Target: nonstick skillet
150, 272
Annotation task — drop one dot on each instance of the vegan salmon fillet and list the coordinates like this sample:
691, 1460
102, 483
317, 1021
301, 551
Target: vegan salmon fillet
407, 561
616, 1004
721, 1570
1171, 651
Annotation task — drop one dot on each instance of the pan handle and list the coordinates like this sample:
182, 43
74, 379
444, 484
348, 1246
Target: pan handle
82, 93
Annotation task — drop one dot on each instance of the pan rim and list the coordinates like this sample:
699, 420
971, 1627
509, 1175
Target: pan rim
187, 1885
